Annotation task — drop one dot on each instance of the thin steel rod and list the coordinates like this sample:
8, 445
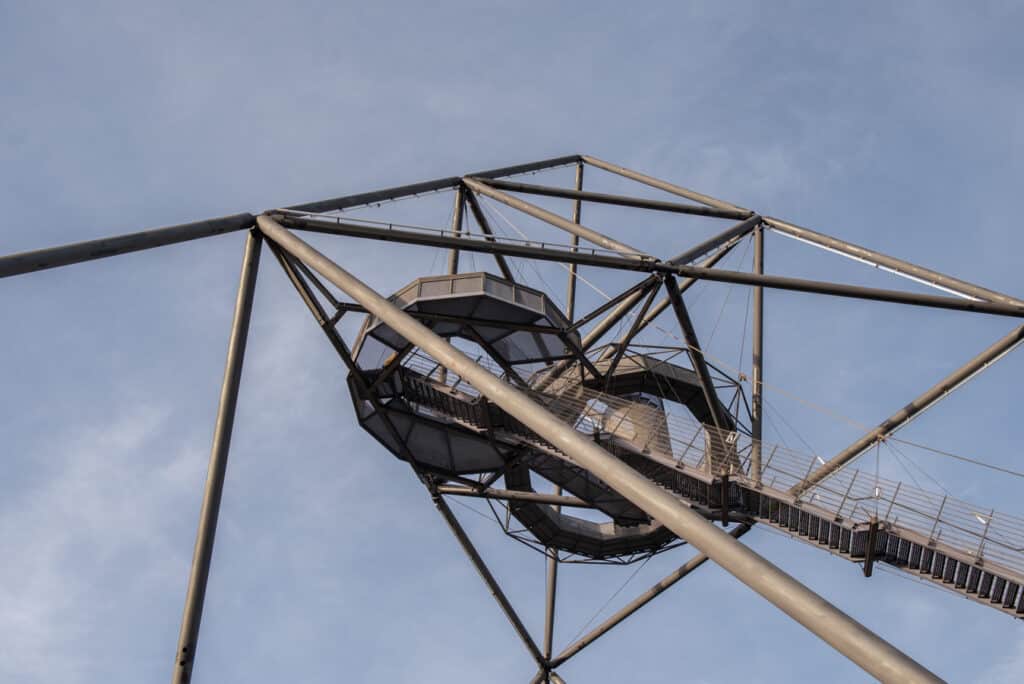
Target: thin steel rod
514, 495
693, 348
485, 226
362, 199
202, 555
453, 255
897, 420
577, 211
757, 363
650, 265
553, 219
488, 578
618, 200
638, 603
845, 634
901, 267
662, 185
76, 253
739, 230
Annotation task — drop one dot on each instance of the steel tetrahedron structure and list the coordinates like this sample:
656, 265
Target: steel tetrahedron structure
587, 445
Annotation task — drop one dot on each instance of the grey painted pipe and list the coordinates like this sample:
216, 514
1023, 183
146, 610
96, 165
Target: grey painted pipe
617, 200
899, 265
65, 255
188, 638
553, 219
662, 185
651, 265
849, 637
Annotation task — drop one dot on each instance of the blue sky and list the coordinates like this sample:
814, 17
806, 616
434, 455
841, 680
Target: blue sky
898, 128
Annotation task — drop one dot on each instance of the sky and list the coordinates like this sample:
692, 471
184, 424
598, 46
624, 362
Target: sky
897, 127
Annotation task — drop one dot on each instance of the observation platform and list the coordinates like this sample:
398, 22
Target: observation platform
651, 414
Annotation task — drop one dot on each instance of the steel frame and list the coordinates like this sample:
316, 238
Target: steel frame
302, 265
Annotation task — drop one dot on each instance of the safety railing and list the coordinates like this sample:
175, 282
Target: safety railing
668, 434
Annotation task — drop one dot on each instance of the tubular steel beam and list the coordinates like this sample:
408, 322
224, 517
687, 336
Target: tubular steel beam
550, 591
845, 634
638, 603
651, 265
662, 185
897, 420
485, 226
687, 283
926, 275
488, 578
553, 219
453, 255
700, 365
714, 242
514, 495
618, 200
75, 253
188, 639
362, 199
757, 363
577, 210
621, 302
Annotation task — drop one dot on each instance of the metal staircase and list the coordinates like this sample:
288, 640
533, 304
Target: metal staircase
851, 514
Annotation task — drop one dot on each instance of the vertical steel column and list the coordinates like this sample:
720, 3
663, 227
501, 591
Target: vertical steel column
551, 588
757, 372
453, 254
577, 210
570, 312
203, 553
849, 637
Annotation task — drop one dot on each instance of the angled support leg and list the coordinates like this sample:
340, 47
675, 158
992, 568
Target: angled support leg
487, 577
201, 557
638, 603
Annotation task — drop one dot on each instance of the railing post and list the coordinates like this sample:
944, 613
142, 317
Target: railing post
984, 536
938, 516
839, 512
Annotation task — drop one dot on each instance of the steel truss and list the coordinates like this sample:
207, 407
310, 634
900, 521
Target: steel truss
305, 267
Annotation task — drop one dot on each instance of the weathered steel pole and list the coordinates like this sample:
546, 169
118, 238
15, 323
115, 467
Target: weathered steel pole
757, 363
65, 255
188, 639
